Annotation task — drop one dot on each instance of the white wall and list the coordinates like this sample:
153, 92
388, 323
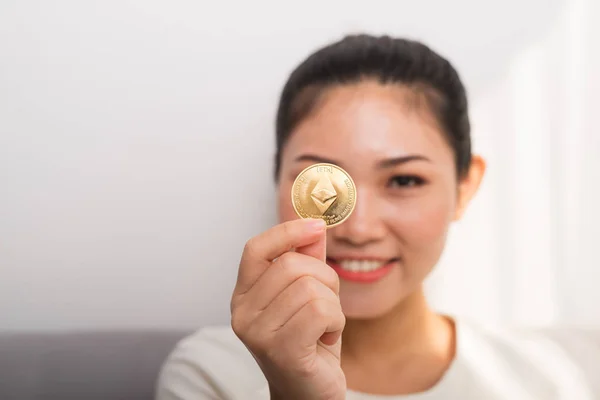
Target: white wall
136, 140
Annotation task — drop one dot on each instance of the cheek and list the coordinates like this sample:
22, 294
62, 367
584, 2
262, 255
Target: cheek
424, 221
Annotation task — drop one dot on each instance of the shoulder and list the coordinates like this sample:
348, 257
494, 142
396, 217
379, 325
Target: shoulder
550, 362
568, 344
211, 363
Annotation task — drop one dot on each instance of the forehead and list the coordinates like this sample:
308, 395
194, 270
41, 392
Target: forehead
367, 120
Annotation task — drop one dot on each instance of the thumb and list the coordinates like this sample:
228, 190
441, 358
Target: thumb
317, 249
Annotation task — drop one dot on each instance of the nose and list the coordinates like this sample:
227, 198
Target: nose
365, 225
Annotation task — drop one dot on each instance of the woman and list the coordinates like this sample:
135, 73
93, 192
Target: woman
344, 315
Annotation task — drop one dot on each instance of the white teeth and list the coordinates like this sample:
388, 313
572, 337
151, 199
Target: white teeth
361, 265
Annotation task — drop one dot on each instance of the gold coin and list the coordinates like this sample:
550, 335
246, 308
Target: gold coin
324, 191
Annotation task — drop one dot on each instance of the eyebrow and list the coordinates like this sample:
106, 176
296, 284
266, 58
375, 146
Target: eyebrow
392, 162
317, 159
387, 163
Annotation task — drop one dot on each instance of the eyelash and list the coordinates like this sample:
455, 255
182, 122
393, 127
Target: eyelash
405, 181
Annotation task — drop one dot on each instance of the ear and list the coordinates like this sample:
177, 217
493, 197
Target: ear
469, 185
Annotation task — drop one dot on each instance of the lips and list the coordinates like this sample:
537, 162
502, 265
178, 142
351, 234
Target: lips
362, 270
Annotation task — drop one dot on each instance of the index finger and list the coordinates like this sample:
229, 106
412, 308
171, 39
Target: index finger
261, 250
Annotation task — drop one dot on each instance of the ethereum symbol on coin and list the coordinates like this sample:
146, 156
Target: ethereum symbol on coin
323, 194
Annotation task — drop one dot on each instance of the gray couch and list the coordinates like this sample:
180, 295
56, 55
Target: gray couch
83, 366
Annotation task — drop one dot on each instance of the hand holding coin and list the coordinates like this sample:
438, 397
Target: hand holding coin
285, 306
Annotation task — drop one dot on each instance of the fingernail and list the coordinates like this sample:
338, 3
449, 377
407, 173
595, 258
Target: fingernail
316, 224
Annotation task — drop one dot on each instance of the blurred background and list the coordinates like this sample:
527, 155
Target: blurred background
137, 140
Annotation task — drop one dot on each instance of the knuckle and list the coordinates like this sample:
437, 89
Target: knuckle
286, 258
309, 286
287, 261
238, 324
318, 308
342, 317
249, 335
333, 280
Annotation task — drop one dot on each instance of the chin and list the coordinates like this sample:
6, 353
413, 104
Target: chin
369, 311
364, 302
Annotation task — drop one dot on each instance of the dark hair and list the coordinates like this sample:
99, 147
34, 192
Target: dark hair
388, 60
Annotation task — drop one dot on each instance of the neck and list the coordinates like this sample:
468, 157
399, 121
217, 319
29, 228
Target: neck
408, 329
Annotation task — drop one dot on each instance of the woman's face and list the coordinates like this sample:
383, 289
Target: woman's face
388, 141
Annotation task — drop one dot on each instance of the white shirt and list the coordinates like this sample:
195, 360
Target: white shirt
513, 365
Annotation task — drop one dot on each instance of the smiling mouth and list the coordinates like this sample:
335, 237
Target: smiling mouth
358, 266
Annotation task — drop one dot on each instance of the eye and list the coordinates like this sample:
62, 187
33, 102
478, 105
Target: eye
405, 181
